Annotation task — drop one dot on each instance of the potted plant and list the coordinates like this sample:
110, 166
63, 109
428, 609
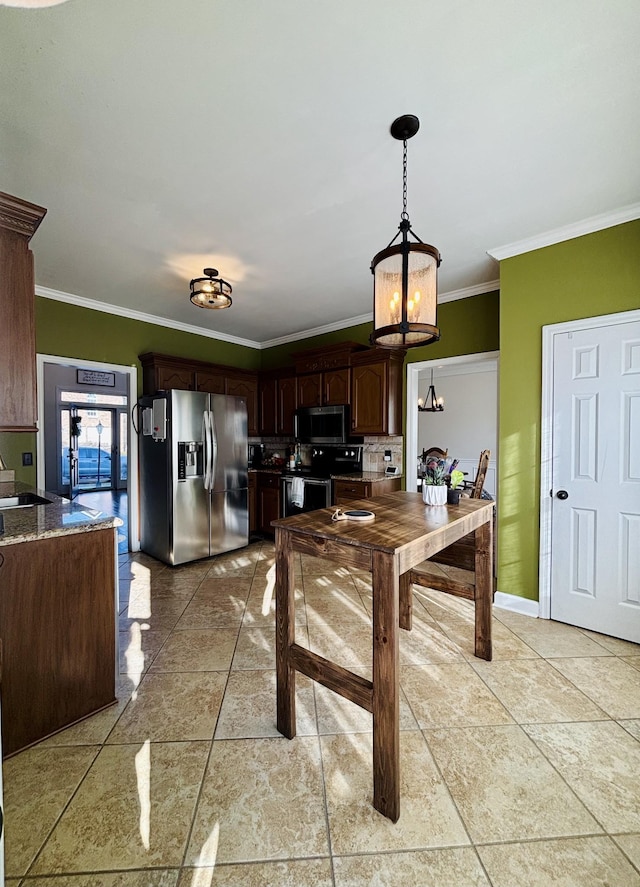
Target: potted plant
434, 483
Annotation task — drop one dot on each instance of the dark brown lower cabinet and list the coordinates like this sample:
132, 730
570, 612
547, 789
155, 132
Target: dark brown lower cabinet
253, 503
345, 491
268, 501
57, 629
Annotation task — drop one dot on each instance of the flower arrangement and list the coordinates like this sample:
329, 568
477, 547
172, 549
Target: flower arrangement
435, 473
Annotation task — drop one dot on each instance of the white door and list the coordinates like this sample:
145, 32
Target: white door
595, 519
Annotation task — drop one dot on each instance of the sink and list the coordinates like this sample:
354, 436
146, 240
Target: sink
23, 500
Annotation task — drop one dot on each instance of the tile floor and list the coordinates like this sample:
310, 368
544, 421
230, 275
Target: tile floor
522, 772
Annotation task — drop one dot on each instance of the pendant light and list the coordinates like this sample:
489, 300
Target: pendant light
433, 403
405, 274
210, 291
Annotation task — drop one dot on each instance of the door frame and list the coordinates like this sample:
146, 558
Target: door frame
132, 460
411, 423
546, 440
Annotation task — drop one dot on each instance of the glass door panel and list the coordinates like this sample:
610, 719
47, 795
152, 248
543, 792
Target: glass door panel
123, 446
93, 447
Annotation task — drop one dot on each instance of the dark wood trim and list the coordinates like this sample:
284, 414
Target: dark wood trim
352, 686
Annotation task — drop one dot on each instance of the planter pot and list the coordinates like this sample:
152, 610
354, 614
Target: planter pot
432, 495
453, 497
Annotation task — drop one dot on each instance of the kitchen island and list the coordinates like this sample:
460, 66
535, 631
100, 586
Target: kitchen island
403, 534
58, 612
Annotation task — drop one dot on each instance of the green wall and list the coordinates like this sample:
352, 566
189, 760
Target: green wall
584, 277
467, 326
66, 330
70, 331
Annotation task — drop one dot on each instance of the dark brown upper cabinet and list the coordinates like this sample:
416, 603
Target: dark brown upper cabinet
18, 405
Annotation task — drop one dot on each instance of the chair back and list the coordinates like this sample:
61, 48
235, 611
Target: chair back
478, 483
435, 452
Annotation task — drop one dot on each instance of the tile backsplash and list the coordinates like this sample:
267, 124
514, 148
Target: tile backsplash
374, 450
372, 455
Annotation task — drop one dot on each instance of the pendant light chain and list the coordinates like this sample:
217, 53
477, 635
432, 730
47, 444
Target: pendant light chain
404, 214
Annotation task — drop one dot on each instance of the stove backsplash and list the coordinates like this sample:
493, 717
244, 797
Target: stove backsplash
372, 457
374, 450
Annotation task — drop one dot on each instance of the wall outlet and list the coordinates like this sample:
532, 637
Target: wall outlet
387, 455
27, 458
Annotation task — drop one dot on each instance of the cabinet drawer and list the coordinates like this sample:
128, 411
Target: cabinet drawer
345, 491
268, 480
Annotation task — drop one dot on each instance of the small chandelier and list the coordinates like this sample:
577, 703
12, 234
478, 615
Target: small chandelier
433, 403
210, 291
405, 275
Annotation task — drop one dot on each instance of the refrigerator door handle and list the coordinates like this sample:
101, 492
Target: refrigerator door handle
207, 450
214, 449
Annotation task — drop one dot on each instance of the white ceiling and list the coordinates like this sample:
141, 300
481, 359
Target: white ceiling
253, 136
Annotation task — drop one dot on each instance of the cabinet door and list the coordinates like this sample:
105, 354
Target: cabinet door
335, 387
58, 634
211, 383
169, 377
268, 502
268, 405
287, 402
253, 503
248, 389
17, 334
369, 399
310, 390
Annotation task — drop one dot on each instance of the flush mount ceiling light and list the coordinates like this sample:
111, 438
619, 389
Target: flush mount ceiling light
31, 4
405, 275
433, 403
210, 291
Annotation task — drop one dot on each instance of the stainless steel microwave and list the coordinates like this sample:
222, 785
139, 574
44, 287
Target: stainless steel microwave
322, 425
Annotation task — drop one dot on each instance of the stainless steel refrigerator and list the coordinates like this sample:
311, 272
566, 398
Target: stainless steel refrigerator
193, 475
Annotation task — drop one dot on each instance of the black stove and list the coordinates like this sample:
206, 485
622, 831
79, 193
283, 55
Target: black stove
328, 460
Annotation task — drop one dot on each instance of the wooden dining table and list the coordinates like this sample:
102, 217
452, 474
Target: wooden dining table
403, 533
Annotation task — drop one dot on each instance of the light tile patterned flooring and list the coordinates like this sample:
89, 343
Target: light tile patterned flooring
522, 772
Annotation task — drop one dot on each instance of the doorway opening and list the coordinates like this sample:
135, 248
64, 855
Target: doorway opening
86, 450
469, 422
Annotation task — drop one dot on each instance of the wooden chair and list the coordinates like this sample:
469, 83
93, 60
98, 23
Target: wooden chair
476, 486
452, 570
434, 451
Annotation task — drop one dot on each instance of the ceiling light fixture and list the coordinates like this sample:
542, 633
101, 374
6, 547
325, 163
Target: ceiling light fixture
433, 403
210, 291
405, 275
31, 4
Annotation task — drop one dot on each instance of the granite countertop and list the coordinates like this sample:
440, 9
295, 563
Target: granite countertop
369, 477
58, 518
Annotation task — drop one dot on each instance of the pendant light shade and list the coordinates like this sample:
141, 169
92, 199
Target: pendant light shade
210, 291
405, 276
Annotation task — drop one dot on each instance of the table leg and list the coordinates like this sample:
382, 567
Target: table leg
406, 601
285, 635
386, 686
484, 589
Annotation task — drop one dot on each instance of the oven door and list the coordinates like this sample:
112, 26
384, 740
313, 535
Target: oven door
316, 494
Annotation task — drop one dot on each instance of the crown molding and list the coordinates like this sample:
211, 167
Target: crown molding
466, 293
121, 311
478, 290
568, 232
319, 330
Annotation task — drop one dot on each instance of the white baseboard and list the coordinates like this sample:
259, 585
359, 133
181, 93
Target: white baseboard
516, 604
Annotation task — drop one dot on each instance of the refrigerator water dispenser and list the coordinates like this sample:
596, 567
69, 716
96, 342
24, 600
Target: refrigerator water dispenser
190, 459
